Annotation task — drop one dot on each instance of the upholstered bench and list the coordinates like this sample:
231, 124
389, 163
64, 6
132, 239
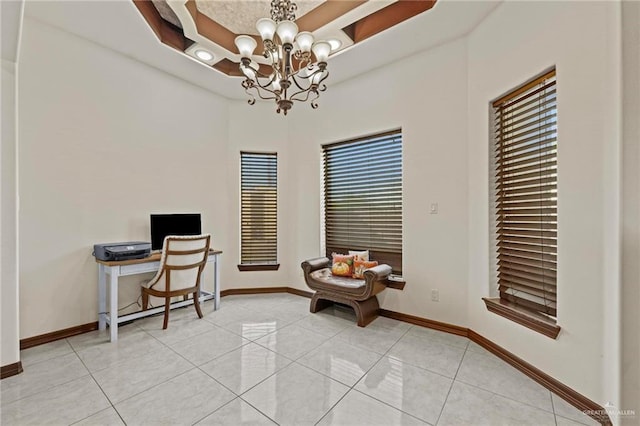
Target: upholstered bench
360, 294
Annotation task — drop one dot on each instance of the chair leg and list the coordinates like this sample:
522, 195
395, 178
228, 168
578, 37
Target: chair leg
185, 297
167, 308
196, 303
145, 301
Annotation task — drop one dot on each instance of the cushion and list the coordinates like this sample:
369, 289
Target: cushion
360, 266
326, 281
360, 255
342, 265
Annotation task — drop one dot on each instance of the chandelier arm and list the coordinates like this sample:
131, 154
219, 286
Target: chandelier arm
321, 86
295, 81
249, 84
266, 85
267, 97
307, 93
313, 103
252, 99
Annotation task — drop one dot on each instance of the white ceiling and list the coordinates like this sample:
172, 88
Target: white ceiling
119, 26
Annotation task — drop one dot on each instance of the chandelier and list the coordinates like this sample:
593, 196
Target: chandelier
293, 74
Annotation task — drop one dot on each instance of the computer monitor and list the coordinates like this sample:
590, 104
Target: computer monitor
173, 224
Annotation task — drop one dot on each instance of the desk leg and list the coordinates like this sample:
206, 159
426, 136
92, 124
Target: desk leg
102, 297
216, 283
113, 304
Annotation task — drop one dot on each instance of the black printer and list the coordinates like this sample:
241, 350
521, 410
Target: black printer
122, 251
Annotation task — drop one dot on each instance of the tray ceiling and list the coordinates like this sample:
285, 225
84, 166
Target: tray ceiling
240, 16
136, 39
212, 25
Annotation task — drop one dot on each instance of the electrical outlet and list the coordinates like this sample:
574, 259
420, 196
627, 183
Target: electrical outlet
433, 209
435, 295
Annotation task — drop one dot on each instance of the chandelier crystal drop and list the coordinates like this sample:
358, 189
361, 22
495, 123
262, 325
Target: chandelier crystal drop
298, 63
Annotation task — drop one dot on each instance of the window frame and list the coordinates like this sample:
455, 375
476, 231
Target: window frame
269, 265
523, 137
395, 259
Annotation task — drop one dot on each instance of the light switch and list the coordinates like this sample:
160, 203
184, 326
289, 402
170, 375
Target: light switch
434, 208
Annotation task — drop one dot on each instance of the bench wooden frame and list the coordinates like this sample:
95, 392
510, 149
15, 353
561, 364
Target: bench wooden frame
361, 298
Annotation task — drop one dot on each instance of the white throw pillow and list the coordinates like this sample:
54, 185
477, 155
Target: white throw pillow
360, 255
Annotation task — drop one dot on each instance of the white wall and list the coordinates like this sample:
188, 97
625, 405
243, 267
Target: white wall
11, 17
631, 212
425, 95
519, 40
257, 128
104, 141
98, 130
9, 353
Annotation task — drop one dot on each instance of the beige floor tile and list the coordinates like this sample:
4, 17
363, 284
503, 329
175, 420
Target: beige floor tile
245, 367
132, 344
491, 373
108, 417
327, 325
42, 376
568, 411
413, 390
60, 405
437, 357
44, 352
236, 413
295, 396
438, 336
131, 377
340, 361
185, 399
208, 346
359, 409
469, 405
376, 339
292, 341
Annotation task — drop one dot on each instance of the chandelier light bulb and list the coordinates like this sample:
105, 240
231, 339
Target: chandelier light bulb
321, 49
287, 31
305, 41
249, 71
267, 28
306, 72
315, 78
246, 45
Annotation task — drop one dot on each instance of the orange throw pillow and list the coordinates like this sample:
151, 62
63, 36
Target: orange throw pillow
342, 265
360, 266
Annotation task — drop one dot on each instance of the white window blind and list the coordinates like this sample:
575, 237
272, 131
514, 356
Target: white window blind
526, 194
363, 197
259, 210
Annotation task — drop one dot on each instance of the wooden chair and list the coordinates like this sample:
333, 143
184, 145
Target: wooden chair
183, 259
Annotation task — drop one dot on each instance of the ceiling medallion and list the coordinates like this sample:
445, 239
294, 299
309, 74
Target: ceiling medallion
294, 75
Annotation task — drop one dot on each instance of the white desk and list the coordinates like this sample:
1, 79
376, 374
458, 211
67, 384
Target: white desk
140, 266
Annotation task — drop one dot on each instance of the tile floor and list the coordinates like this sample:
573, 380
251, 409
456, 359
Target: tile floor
264, 360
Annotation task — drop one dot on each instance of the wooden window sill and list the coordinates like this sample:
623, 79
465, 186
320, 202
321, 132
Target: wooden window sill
258, 267
398, 284
515, 313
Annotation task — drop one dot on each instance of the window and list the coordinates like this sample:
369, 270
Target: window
363, 197
259, 211
526, 201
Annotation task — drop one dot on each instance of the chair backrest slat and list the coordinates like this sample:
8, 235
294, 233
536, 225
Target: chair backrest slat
183, 259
